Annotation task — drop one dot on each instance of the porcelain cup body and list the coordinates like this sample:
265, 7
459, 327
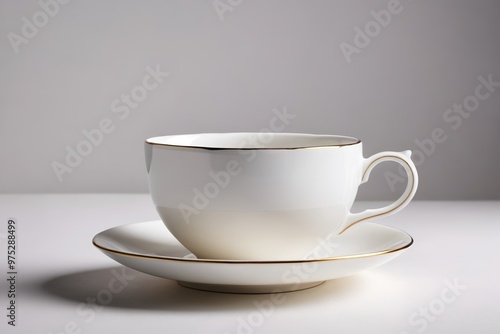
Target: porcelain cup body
261, 196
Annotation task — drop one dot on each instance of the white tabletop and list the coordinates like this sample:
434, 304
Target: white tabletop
447, 282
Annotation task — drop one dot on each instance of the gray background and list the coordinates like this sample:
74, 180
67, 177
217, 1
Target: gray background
228, 75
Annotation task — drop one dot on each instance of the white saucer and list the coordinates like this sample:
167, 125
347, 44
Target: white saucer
150, 248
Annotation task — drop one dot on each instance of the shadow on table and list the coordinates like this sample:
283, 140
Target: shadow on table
120, 287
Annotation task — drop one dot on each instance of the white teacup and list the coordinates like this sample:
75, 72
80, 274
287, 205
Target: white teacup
262, 196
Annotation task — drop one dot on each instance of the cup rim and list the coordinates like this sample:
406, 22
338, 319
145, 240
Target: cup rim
342, 141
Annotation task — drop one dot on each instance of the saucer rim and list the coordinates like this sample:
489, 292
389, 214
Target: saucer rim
222, 261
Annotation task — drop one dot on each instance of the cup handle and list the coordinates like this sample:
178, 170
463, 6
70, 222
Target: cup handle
403, 158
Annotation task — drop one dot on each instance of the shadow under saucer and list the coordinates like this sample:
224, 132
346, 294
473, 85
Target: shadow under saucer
121, 287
